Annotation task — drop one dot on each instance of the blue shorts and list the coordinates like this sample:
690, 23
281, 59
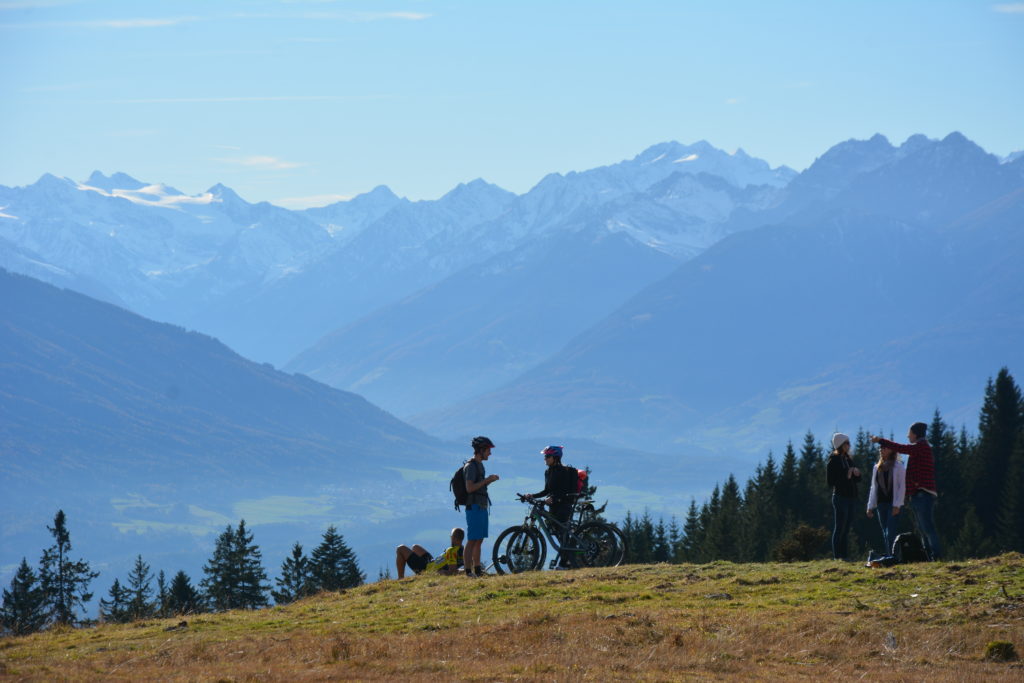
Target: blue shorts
476, 523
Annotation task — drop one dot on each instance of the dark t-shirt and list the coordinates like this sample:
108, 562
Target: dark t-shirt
474, 471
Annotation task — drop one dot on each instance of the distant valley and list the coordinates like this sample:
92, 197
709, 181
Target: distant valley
670, 318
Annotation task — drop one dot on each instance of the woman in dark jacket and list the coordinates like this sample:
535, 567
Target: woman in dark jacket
842, 479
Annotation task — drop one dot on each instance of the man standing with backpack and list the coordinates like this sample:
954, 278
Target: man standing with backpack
560, 488
478, 503
921, 489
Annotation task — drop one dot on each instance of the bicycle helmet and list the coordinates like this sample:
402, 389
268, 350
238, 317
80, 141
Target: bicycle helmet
553, 451
481, 442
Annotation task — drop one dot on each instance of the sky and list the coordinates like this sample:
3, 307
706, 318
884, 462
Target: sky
306, 102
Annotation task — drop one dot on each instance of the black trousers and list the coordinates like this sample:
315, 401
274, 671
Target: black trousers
563, 513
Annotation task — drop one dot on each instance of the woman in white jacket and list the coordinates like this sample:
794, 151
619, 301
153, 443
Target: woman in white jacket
888, 489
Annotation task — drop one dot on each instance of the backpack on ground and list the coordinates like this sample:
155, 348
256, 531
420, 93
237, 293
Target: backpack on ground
458, 486
908, 548
879, 560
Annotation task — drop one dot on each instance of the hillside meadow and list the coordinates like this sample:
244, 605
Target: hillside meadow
716, 621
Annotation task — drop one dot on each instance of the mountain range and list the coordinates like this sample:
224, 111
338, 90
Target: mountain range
687, 302
885, 284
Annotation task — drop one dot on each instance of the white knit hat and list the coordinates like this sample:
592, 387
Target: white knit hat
838, 439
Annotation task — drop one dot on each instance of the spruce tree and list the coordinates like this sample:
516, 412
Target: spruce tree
761, 514
813, 495
971, 541
24, 606
65, 582
659, 543
1010, 520
253, 586
116, 609
140, 603
950, 477
998, 429
334, 564
182, 598
296, 580
707, 552
163, 596
693, 536
723, 537
235, 576
674, 536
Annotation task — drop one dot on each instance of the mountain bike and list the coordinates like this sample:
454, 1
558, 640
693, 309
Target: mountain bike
524, 547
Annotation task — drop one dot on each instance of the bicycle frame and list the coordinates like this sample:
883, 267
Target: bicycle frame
541, 519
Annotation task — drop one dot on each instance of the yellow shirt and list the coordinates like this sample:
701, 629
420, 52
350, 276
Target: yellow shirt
450, 559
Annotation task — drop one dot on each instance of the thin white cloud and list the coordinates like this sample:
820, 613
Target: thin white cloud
132, 133
138, 23
272, 98
106, 23
261, 162
346, 15
35, 4
1009, 8
311, 201
733, 100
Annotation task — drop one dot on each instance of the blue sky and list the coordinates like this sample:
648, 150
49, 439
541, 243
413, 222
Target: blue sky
304, 102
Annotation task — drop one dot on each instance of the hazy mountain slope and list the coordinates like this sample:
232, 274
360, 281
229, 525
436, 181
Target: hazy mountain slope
777, 314
152, 439
83, 379
486, 324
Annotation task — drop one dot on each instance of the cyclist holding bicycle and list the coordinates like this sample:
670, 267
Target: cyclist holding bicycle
559, 490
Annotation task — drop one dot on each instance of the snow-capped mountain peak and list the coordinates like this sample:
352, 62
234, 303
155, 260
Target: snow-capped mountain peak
117, 181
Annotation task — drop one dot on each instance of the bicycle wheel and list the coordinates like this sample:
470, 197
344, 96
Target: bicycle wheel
603, 545
519, 549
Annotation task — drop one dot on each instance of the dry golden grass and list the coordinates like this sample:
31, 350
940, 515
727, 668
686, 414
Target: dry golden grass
719, 621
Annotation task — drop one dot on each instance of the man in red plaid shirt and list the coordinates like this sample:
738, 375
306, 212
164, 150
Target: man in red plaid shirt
921, 488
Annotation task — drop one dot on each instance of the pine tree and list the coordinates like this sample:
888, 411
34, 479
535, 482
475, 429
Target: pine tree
971, 541
235, 576
674, 537
950, 463
140, 604
116, 609
253, 586
182, 597
812, 492
645, 538
761, 514
723, 537
296, 580
163, 596
998, 428
24, 605
220, 584
693, 536
708, 512
1010, 522
787, 487
65, 583
334, 564
659, 543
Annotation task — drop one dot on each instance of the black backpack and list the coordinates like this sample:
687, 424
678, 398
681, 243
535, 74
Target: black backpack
458, 486
908, 548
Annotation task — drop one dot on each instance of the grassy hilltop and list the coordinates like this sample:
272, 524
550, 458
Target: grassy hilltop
640, 622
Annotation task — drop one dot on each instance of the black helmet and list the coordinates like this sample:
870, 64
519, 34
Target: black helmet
481, 442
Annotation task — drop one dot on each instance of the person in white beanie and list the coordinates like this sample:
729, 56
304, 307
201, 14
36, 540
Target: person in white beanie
842, 479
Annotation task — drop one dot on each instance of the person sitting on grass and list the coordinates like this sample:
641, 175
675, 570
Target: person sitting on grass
419, 560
